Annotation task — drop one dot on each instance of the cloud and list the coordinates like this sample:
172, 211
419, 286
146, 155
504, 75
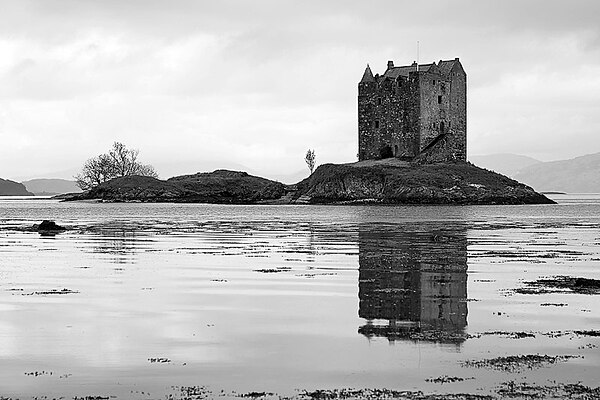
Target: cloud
256, 83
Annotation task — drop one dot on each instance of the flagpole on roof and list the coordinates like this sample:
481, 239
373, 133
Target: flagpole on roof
417, 55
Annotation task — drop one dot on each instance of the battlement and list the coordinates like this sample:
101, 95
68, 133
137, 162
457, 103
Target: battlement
413, 111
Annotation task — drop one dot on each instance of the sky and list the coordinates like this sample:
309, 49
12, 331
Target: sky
252, 84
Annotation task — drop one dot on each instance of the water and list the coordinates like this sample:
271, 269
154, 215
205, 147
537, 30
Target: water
135, 300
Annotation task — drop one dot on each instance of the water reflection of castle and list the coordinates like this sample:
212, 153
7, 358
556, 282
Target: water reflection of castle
413, 281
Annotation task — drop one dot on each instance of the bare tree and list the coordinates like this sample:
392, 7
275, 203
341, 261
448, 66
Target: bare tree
120, 161
310, 160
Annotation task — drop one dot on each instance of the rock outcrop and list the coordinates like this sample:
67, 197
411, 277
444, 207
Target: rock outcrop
393, 181
11, 188
49, 226
220, 187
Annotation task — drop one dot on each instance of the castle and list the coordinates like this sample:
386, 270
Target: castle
417, 111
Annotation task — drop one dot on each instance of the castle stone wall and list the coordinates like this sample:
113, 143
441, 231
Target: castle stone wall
408, 115
435, 104
458, 112
388, 114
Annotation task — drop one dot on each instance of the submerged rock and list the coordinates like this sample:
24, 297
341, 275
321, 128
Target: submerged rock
49, 226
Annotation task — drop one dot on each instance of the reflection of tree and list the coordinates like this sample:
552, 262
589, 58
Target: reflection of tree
413, 276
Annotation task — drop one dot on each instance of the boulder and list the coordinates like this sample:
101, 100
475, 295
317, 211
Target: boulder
49, 226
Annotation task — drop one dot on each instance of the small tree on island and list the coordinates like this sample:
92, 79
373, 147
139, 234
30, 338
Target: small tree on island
119, 161
310, 160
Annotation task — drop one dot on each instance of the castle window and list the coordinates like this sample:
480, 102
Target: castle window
442, 127
379, 101
377, 124
440, 99
434, 82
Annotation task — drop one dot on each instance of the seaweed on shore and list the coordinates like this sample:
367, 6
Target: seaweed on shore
51, 292
447, 379
430, 335
511, 335
273, 270
561, 284
357, 394
518, 363
590, 332
523, 390
506, 390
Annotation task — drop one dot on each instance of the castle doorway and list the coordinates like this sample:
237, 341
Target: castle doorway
386, 152
395, 150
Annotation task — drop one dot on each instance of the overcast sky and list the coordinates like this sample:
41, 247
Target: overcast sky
196, 85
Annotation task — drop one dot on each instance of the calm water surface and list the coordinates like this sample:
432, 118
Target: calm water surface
146, 297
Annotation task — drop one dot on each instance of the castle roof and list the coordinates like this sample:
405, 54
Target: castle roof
395, 72
444, 68
368, 75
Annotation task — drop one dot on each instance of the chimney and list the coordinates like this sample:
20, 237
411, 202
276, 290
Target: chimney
390, 64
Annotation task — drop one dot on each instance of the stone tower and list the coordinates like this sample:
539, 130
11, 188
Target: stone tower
414, 112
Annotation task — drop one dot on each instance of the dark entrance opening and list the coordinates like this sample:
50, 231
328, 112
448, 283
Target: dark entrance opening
386, 152
395, 150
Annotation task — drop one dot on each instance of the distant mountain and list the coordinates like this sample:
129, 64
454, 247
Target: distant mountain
505, 163
577, 175
49, 187
10, 188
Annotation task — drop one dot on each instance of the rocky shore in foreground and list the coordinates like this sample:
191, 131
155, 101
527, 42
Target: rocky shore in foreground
388, 181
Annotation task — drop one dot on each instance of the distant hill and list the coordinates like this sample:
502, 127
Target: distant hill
577, 175
49, 187
10, 188
504, 163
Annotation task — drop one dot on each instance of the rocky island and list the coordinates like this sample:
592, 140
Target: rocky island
388, 181
393, 181
218, 187
412, 149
